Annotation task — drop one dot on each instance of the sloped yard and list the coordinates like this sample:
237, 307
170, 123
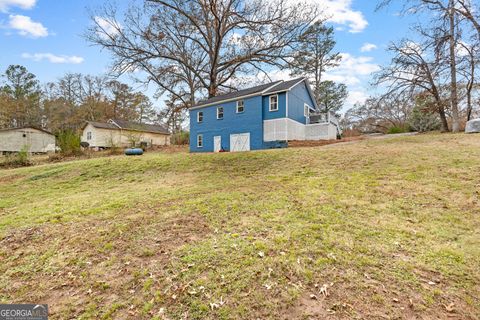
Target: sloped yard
379, 229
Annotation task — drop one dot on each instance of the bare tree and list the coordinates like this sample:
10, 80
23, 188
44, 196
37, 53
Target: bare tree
382, 113
187, 47
415, 69
470, 12
445, 19
468, 71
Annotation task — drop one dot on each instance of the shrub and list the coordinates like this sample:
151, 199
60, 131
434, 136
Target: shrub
180, 138
69, 143
19, 159
423, 120
395, 129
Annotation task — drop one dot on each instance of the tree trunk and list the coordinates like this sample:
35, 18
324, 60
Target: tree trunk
212, 88
443, 118
469, 104
453, 70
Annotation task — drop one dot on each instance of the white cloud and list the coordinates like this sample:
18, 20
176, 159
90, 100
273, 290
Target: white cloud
341, 12
338, 12
53, 58
352, 69
107, 27
23, 4
27, 27
367, 47
355, 96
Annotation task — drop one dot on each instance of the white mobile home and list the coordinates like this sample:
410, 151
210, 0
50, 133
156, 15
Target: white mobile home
33, 140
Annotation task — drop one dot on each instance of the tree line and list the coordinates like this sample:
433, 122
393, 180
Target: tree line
432, 81
68, 102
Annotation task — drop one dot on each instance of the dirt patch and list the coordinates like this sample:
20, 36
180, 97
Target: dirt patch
78, 267
301, 144
368, 298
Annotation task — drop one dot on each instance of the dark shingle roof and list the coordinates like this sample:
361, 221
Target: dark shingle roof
128, 125
27, 127
237, 94
103, 125
285, 85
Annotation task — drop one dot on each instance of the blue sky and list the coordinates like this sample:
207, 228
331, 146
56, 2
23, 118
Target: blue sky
46, 37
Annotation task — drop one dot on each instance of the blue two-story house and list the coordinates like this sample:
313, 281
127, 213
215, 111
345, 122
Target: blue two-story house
259, 118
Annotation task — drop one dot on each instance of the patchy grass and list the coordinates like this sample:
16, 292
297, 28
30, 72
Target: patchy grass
375, 229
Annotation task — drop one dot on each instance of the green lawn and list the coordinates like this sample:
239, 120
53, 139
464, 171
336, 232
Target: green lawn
376, 229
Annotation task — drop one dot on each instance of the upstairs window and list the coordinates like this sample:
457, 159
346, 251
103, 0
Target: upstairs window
89, 135
200, 117
200, 141
273, 103
240, 106
219, 112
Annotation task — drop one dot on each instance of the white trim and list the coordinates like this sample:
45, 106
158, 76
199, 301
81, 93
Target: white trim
201, 138
198, 116
305, 105
111, 121
243, 106
286, 104
310, 92
270, 102
223, 111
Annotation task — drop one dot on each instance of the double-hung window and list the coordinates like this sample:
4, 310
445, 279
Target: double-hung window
200, 116
240, 106
273, 103
219, 113
200, 141
89, 135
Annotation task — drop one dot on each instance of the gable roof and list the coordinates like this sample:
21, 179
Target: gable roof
264, 89
284, 85
103, 125
135, 126
115, 124
27, 127
238, 94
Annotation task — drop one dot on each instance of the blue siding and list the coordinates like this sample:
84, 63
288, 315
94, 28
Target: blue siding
282, 103
249, 121
297, 97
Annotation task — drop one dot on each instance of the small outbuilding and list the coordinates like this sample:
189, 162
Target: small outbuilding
120, 133
31, 139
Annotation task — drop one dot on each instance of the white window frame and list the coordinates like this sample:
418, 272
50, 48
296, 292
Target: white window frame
89, 135
198, 116
270, 103
243, 106
199, 140
218, 113
306, 110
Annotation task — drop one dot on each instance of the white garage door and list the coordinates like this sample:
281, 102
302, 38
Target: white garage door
240, 142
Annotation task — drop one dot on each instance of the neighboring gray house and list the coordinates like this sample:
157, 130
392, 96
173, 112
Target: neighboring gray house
34, 140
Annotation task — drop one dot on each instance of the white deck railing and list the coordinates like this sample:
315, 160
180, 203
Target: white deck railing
323, 117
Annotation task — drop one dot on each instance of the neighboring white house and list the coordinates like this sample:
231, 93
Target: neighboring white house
33, 140
120, 133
